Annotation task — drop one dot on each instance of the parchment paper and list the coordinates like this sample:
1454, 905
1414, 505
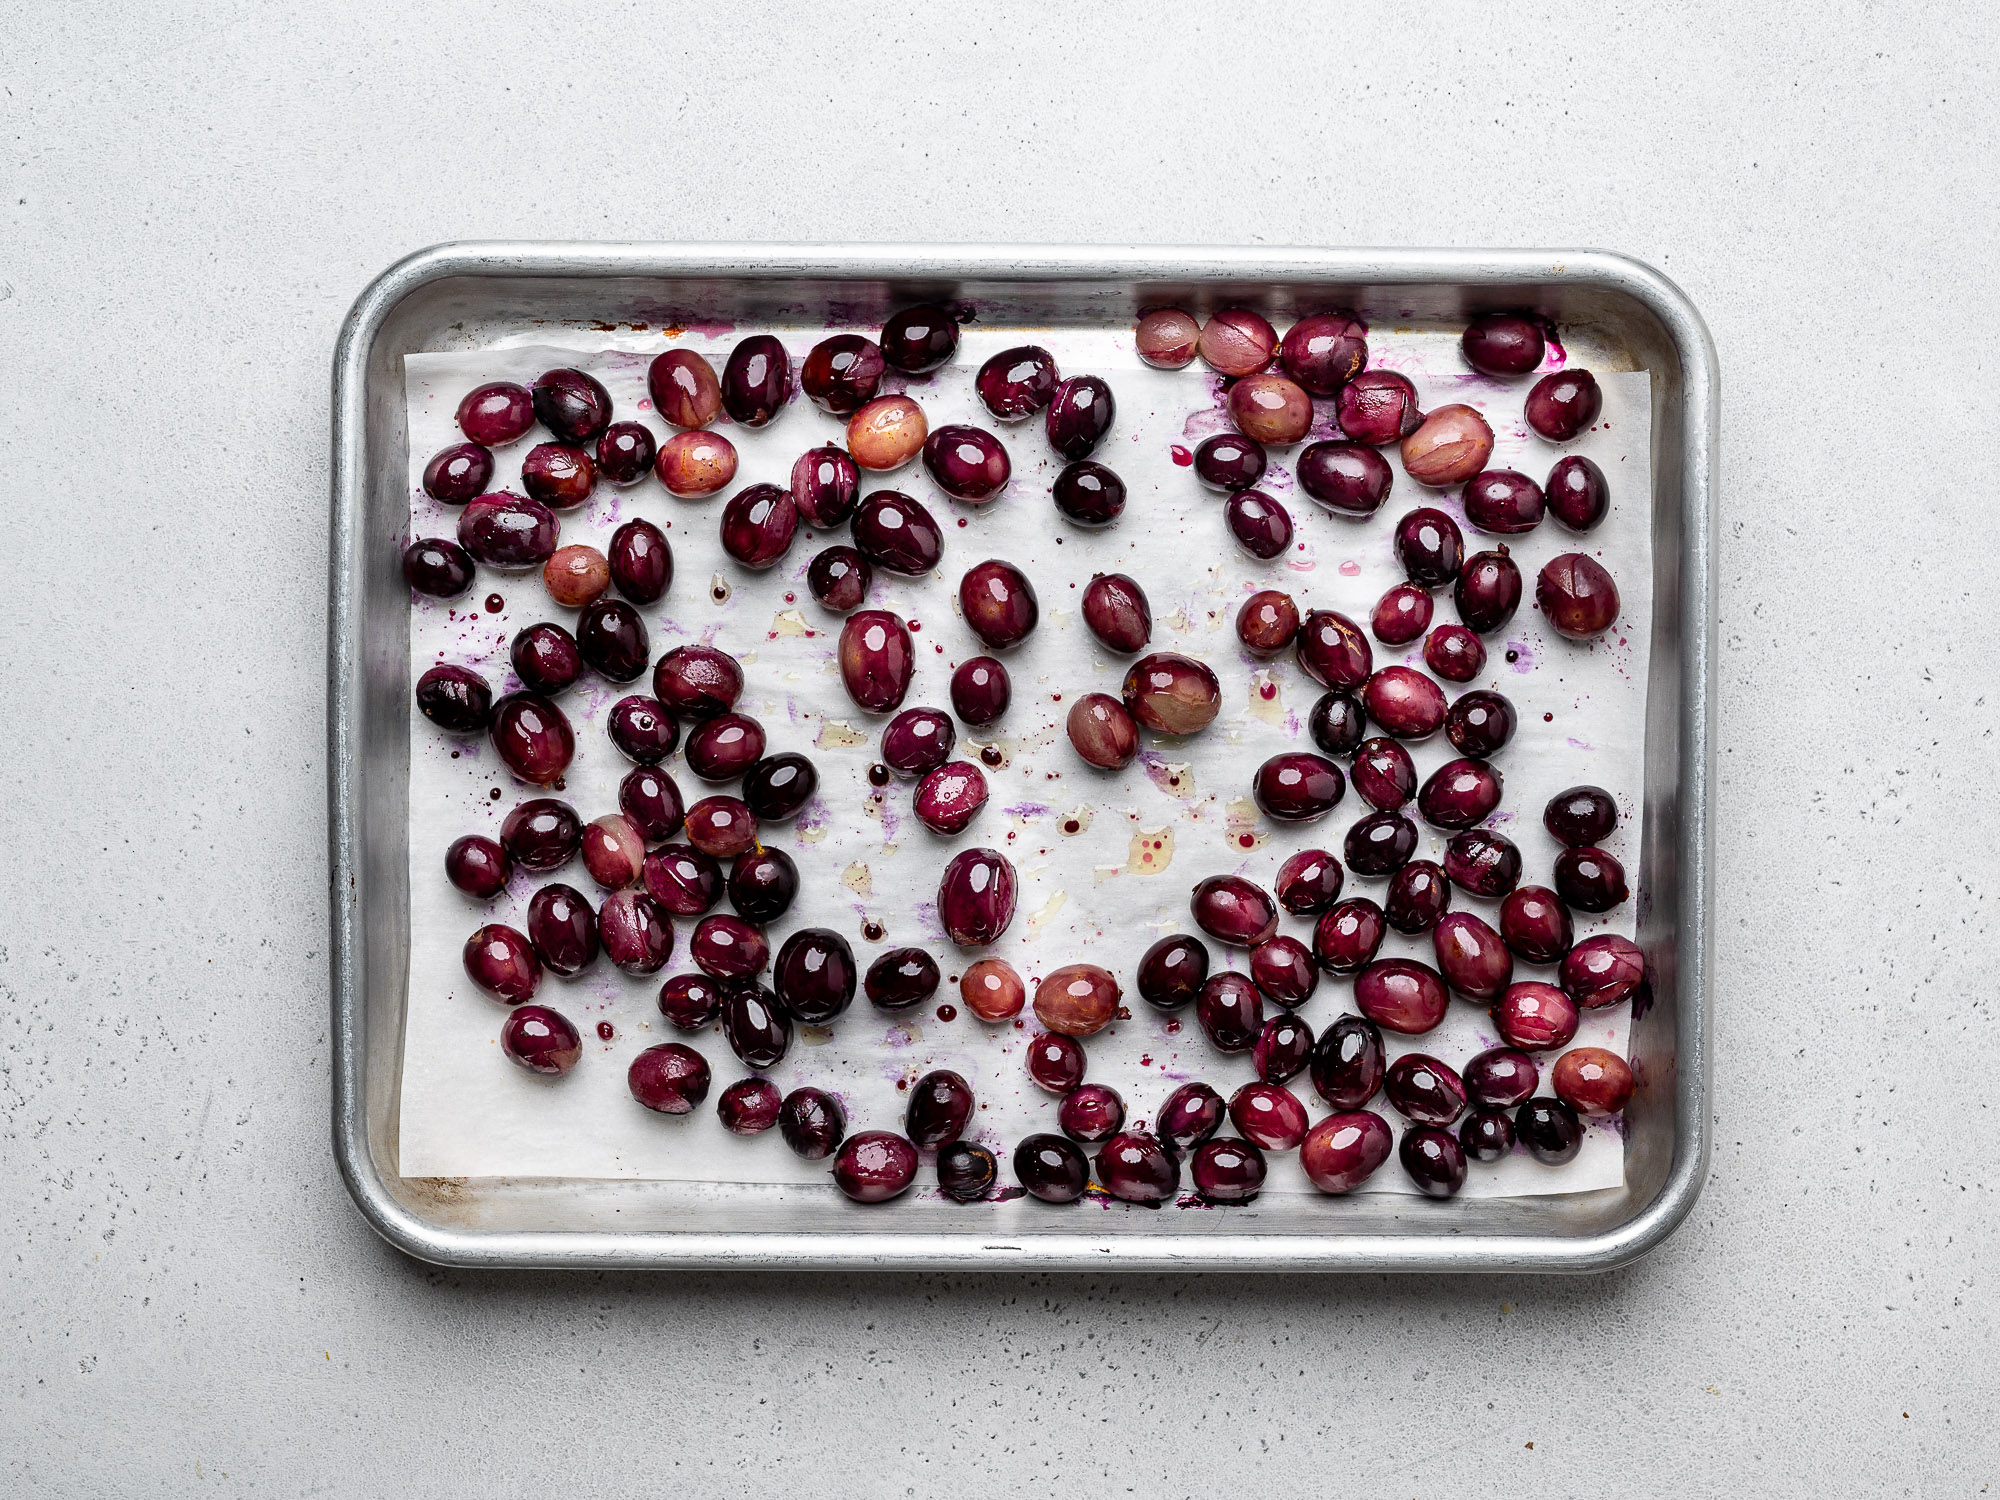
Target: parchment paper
1144, 836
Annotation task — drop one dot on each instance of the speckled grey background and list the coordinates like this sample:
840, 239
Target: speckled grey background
190, 197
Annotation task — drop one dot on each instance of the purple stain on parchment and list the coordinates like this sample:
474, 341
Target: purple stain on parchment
1028, 810
925, 914
1577, 744
1522, 659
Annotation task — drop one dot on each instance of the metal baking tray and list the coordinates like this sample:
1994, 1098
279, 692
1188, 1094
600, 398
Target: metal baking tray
455, 295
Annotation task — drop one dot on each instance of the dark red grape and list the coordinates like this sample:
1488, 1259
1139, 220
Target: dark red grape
1333, 650
1056, 1063
1580, 816
1090, 1113
723, 748
1424, 1090
812, 1122
1172, 972
1348, 1062
612, 638
999, 603
1479, 723
478, 866
749, 1106
1574, 593
949, 798
1450, 445
641, 562
1590, 880
625, 451
876, 659
1324, 351
1232, 910
508, 531
540, 1040
542, 834
980, 690
1474, 961
437, 567
1535, 1017
1051, 1168
1400, 994
1261, 526
1283, 1049
571, 404
502, 963
1016, 383
1481, 862
1349, 479
1384, 775
560, 475
684, 389
762, 885
815, 975
874, 1166
1338, 723
1550, 1130
1563, 406
636, 932
967, 463
966, 1172
1172, 694
1308, 882
1227, 1171
614, 851
1193, 1112
842, 373
839, 578
1270, 1115
1488, 590
1117, 612
1267, 623
918, 740
757, 380
1283, 971
562, 926
895, 532
532, 736
1404, 702
1079, 415
458, 473
1229, 461
1429, 546
777, 787
1417, 897
1401, 614
1503, 502
1167, 338
1348, 935
1230, 1010
1590, 1080
1377, 407
691, 1002
1603, 970
756, 1025
1297, 787
1486, 1135
1535, 924
919, 339
975, 900
1270, 408
901, 978
1134, 1167
1500, 1078
669, 1079
1344, 1150
650, 798
1379, 844
1577, 493
1089, 494
826, 483
1453, 652
1503, 344
1434, 1160
496, 414
758, 525
642, 729
697, 682
1458, 794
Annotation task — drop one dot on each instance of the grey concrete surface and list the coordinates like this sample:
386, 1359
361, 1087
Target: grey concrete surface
190, 197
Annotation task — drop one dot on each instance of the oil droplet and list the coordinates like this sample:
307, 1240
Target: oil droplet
872, 931
494, 604
605, 1031
1182, 457
992, 756
815, 1036
1175, 778
1075, 821
1152, 850
878, 774
718, 589
1548, 718
836, 735
1038, 920
1513, 656
1266, 701
494, 794
1240, 818
859, 879
947, 1012
789, 622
